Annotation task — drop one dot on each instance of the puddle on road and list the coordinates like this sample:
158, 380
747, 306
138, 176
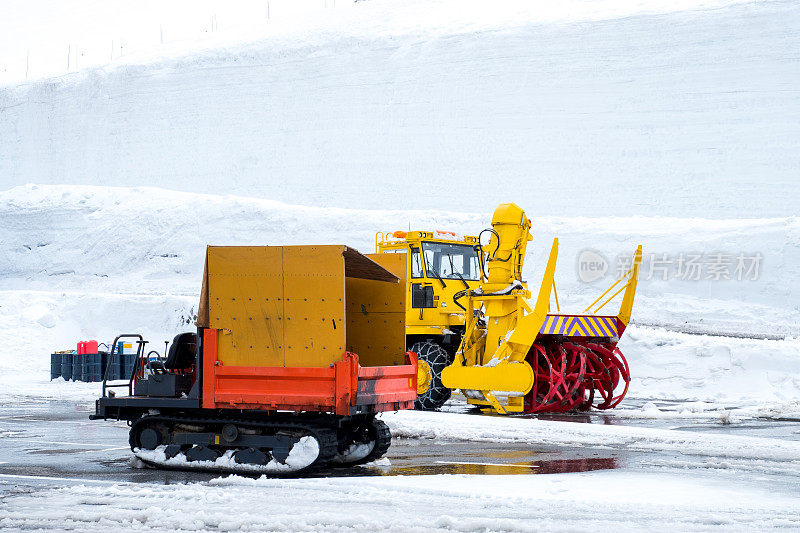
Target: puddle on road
483, 463
554, 466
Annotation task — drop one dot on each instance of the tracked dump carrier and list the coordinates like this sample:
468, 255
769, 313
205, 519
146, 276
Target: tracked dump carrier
297, 349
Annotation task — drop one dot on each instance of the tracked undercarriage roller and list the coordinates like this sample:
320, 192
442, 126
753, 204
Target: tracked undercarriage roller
263, 445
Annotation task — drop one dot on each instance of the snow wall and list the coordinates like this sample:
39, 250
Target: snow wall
677, 109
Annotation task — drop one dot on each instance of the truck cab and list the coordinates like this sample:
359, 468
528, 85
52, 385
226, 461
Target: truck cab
439, 268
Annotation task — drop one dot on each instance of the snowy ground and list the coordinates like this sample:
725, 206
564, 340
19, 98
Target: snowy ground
444, 472
670, 124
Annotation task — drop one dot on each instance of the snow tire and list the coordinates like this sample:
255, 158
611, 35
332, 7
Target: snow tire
437, 359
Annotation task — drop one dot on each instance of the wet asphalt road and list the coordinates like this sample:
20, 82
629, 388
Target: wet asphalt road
46, 441
55, 439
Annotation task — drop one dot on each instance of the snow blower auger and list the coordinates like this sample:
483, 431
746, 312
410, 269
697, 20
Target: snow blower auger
539, 361
298, 348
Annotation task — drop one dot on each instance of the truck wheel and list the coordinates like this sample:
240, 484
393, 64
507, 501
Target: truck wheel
431, 394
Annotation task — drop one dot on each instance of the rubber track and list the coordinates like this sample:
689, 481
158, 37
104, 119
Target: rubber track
326, 437
382, 443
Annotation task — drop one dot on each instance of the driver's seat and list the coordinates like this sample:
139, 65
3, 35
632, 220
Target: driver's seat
182, 353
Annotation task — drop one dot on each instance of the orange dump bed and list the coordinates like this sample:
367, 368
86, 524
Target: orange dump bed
342, 388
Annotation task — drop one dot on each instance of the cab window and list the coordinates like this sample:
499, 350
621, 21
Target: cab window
416, 264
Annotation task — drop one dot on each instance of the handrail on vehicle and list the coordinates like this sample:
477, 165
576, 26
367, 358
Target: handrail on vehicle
139, 353
629, 287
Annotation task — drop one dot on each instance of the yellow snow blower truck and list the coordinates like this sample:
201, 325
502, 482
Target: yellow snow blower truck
470, 320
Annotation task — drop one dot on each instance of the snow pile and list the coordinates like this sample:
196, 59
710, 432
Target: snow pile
146, 241
724, 371
428, 425
608, 500
35, 323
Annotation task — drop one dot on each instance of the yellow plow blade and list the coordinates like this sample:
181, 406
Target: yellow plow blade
505, 376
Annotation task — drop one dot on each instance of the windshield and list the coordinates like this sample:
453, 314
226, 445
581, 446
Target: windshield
451, 261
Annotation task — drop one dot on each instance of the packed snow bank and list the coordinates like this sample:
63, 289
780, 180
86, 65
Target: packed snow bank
33, 324
606, 500
136, 32
726, 372
146, 240
749, 377
683, 109
431, 425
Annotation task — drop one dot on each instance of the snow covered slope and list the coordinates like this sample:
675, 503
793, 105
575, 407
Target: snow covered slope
148, 240
600, 108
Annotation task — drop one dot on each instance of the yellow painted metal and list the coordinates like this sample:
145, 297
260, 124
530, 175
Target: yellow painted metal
301, 306
245, 301
394, 263
555, 294
507, 245
504, 368
495, 404
632, 278
376, 321
516, 345
446, 314
314, 306
491, 357
424, 376
489, 402
510, 236
625, 308
505, 376
589, 307
514, 404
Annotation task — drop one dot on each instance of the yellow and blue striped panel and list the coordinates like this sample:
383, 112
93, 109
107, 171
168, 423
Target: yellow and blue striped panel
579, 326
